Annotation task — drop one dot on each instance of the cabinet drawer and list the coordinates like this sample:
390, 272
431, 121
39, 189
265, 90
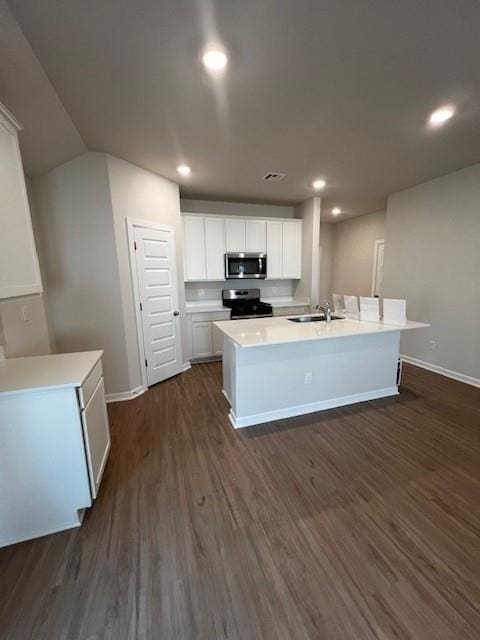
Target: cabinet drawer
88, 387
211, 316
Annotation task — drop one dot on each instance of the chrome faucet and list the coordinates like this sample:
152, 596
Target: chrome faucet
326, 310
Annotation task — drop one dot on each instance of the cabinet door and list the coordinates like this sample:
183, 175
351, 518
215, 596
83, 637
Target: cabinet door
255, 236
292, 250
234, 235
217, 341
19, 271
194, 247
201, 339
96, 436
214, 248
274, 249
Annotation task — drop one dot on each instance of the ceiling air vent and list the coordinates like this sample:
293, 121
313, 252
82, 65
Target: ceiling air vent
271, 176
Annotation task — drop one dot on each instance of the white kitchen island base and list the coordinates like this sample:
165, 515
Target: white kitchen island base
273, 371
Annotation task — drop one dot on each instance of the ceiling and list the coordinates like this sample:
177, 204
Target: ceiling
339, 89
49, 137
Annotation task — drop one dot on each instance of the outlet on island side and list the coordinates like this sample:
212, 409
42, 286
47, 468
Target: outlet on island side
308, 377
432, 345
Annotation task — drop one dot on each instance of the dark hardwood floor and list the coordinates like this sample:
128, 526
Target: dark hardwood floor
357, 523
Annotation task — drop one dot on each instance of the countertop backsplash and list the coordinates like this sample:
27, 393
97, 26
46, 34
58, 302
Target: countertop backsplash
213, 290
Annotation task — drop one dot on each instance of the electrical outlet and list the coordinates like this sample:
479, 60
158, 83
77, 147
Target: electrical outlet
201, 293
25, 313
308, 377
432, 344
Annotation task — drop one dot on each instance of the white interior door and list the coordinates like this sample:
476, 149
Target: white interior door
377, 279
157, 286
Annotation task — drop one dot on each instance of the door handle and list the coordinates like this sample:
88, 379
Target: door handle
176, 313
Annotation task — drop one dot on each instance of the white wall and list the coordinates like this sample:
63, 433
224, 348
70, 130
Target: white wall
236, 208
309, 285
432, 259
75, 224
25, 329
137, 193
353, 253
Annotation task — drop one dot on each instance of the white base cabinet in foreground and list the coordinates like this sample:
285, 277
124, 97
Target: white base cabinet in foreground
54, 442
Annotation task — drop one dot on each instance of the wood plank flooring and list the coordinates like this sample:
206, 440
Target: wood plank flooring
359, 523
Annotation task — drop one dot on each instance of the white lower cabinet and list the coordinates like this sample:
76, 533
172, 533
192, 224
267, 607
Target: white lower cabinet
205, 341
202, 339
97, 436
217, 341
54, 444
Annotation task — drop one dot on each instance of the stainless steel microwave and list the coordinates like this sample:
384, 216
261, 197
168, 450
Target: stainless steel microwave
245, 265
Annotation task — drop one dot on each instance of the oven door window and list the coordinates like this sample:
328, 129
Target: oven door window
247, 267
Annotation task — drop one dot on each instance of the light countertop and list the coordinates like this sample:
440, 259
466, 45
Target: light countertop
205, 306
50, 371
280, 330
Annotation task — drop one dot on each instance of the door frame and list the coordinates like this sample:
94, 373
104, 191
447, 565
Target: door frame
375, 262
132, 223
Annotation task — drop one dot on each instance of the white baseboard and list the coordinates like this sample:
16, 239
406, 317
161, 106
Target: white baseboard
125, 395
448, 373
186, 367
311, 407
39, 533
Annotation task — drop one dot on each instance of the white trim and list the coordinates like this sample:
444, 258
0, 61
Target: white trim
147, 224
226, 396
448, 373
125, 395
311, 407
10, 119
375, 256
240, 215
186, 367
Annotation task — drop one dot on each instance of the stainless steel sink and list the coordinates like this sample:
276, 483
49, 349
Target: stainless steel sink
312, 318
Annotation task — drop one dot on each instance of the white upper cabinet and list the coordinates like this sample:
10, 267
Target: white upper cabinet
255, 236
19, 271
234, 235
274, 249
215, 248
194, 248
208, 238
292, 250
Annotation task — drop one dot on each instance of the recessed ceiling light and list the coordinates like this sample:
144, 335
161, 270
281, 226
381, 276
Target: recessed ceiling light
440, 116
318, 184
184, 170
215, 59
336, 211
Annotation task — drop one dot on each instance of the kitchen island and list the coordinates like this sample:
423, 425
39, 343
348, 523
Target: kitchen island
274, 368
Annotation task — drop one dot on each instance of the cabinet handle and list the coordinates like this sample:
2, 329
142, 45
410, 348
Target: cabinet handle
176, 313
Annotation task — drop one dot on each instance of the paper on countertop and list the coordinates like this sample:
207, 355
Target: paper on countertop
394, 311
351, 305
337, 302
370, 309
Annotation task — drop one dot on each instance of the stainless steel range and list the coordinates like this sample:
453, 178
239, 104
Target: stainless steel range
246, 303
